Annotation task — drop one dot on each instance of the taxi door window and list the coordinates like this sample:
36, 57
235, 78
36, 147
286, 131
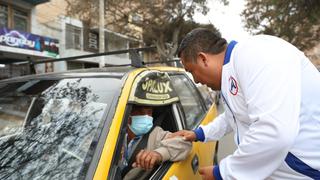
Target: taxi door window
190, 100
207, 94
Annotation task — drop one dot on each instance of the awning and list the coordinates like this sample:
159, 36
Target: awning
36, 2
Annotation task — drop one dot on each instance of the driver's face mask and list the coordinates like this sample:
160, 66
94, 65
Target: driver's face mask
141, 124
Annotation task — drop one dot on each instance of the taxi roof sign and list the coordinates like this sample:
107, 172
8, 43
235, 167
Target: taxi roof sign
153, 88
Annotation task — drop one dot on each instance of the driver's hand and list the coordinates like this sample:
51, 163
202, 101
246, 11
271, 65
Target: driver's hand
147, 159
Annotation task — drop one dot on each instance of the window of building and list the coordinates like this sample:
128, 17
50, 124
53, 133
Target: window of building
3, 16
73, 37
74, 65
14, 18
20, 20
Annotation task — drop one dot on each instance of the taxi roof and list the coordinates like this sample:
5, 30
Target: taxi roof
91, 72
110, 70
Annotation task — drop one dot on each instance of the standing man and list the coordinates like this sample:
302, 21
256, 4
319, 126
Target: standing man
272, 103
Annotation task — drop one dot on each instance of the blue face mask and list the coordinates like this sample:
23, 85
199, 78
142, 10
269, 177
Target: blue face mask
141, 124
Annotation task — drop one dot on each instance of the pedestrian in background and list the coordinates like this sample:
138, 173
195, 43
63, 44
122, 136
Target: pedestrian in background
271, 94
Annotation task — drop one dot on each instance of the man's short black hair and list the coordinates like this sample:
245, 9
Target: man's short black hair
201, 40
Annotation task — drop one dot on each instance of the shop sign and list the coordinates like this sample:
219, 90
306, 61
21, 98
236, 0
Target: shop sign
91, 41
47, 47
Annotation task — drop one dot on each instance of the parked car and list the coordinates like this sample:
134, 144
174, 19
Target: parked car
70, 125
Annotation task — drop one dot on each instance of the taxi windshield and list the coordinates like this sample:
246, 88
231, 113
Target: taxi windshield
49, 128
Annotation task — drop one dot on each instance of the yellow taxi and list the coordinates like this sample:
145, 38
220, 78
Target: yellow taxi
71, 125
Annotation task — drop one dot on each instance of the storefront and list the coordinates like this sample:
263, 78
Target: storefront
17, 47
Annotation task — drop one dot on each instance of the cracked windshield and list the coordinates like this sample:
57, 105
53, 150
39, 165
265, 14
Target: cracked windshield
49, 128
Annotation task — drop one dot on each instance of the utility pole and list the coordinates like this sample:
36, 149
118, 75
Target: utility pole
101, 32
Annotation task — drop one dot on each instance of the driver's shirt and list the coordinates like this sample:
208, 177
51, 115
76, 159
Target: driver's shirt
272, 103
170, 149
128, 149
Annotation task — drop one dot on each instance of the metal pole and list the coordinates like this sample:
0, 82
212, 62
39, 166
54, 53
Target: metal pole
101, 32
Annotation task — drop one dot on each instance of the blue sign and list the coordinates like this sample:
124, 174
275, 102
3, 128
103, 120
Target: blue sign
13, 38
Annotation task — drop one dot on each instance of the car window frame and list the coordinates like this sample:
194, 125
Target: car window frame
198, 94
177, 112
105, 127
115, 169
164, 167
178, 116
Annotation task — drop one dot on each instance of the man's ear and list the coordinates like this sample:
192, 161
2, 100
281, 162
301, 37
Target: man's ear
203, 58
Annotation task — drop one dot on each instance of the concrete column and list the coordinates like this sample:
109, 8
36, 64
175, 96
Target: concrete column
101, 32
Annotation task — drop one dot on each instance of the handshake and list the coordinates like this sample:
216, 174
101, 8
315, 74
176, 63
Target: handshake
185, 134
147, 159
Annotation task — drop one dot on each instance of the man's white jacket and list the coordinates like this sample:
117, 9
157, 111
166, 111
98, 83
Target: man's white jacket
272, 103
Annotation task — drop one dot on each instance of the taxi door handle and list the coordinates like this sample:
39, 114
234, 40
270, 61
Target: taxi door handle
195, 164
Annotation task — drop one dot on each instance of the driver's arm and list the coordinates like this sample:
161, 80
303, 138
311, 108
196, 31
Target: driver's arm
160, 149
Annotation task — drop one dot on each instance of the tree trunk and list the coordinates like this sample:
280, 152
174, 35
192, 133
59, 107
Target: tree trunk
167, 51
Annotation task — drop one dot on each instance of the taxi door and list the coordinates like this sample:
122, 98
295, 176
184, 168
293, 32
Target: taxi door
194, 112
202, 154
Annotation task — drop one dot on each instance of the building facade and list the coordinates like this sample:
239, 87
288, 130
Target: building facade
18, 41
32, 30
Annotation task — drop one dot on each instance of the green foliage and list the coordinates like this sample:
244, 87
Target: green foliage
186, 27
163, 21
297, 21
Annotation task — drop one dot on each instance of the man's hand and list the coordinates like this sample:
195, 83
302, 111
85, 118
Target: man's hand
207, 173
147, 159
187, 135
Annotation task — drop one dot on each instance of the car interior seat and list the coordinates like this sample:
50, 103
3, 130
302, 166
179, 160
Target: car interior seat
163, 117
